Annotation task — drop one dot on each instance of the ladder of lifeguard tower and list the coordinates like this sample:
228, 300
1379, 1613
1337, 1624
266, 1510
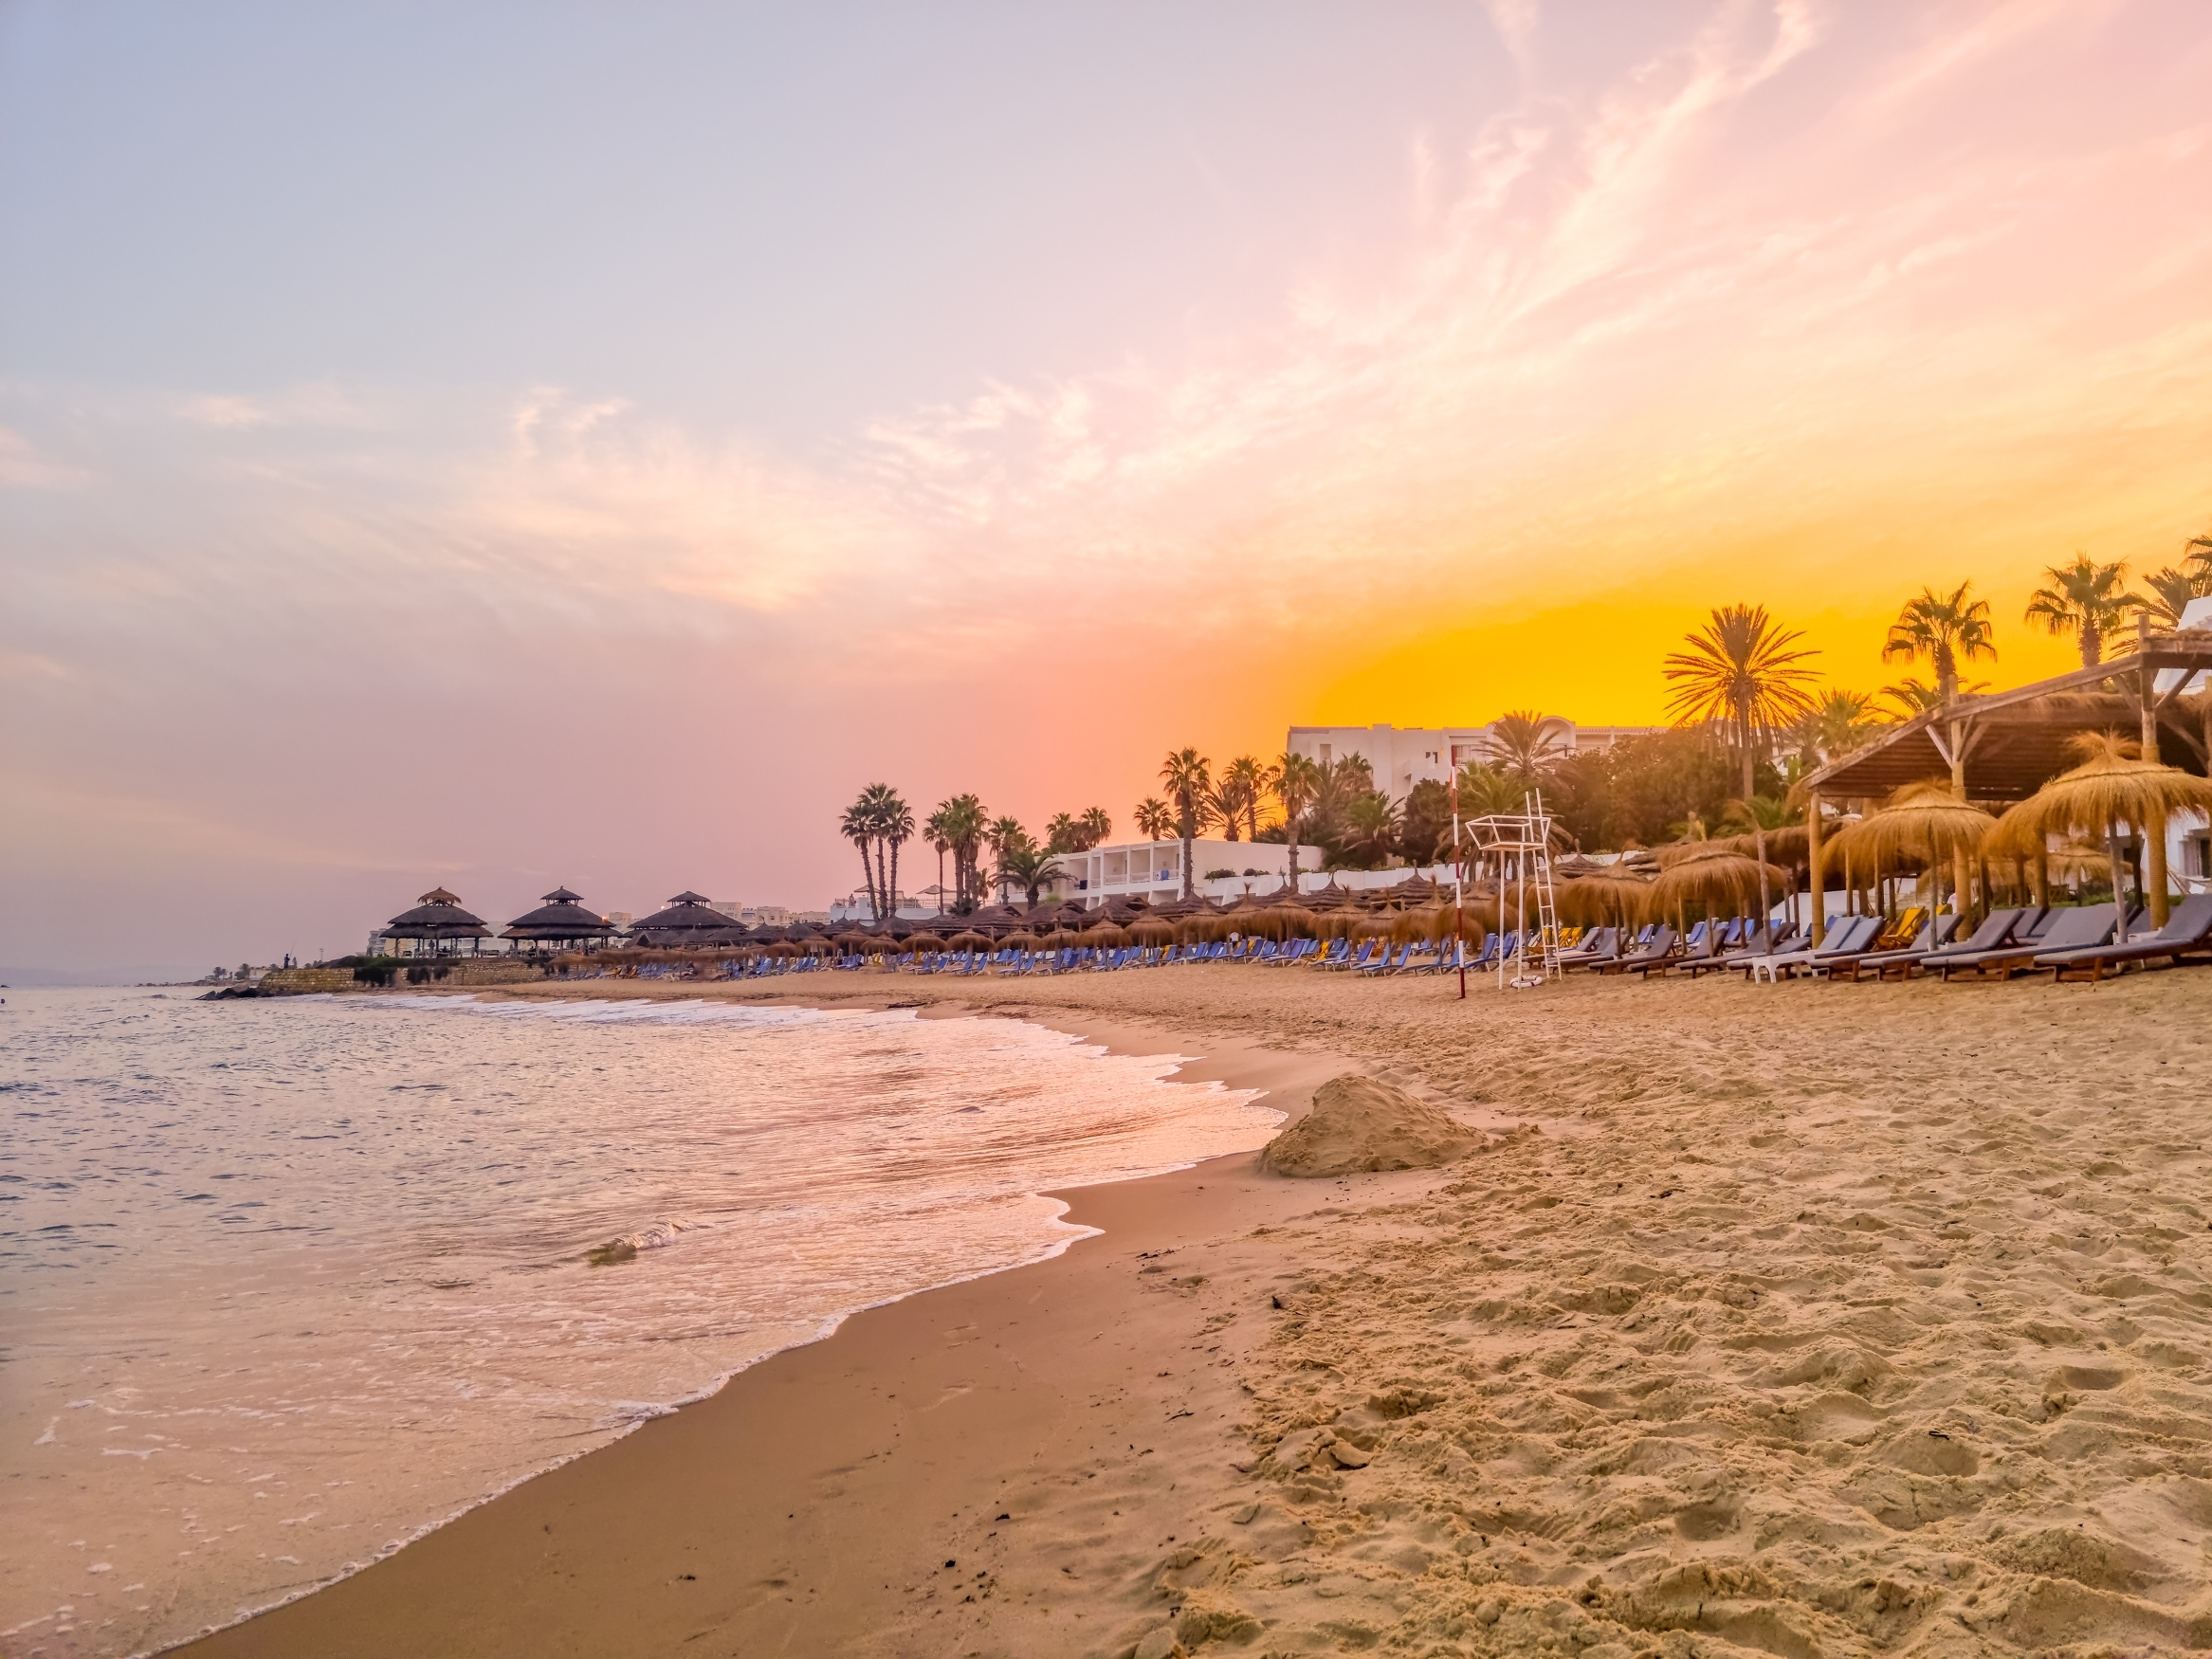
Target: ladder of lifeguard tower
1538, 852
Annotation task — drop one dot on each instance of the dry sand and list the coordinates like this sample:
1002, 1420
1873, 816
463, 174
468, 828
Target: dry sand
1805, 1319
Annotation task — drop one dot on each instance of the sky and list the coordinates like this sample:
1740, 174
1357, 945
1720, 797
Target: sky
503, 446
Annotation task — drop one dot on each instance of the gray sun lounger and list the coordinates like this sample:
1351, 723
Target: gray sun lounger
1755, 946
1850, 932
1932, 938
2076, 927
2187, 932
1644, 959
1601, 944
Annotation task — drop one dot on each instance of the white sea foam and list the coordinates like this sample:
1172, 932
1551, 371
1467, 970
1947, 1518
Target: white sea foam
314, 1274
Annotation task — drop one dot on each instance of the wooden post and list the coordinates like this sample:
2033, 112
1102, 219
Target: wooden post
2153, 834
1819, 873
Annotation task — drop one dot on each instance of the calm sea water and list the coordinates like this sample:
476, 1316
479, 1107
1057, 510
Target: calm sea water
283, 1285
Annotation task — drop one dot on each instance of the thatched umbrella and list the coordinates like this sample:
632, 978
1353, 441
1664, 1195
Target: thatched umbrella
970, 940
1607, 897
1060, 939
1106, 935
2112, 785
860, 945
923, 941
1019, 941
1153, 931
1926, 824
1717, 875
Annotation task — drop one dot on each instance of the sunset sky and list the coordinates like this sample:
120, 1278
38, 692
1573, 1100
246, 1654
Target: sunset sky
500, 446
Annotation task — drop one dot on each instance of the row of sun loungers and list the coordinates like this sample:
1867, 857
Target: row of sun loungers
2069, 942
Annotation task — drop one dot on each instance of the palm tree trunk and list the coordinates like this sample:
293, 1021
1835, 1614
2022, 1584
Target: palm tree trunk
1290, 837
882, 880
1190, 829
1759, 841
868, 877
891, 893
941, 881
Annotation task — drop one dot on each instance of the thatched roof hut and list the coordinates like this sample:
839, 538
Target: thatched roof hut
559, 920
689, 918
437, 919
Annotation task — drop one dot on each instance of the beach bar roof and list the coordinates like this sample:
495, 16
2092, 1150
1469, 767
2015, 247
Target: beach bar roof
561, 918
2006, 745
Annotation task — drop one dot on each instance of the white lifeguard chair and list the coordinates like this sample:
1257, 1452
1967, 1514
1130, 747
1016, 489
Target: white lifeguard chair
1521, 842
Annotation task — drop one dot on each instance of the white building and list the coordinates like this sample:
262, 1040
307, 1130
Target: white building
1401, 758
1152, 871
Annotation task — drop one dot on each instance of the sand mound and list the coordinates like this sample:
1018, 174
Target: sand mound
1360, 1123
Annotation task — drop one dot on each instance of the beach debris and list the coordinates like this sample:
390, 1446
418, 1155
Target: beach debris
617, 1250
1360, 1123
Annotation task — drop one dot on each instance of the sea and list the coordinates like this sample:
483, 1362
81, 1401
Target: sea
285, 1284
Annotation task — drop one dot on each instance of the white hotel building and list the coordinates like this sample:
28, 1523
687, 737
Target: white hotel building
1402, 758
1152, 871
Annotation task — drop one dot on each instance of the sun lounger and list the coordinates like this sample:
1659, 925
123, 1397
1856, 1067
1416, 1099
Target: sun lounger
1600, 945
2071, 928
1850, 934
1644, 957
1701, 947
2188, 933
1931, 938
1751, 940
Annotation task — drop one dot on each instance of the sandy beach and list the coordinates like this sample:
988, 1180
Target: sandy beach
1807, 1320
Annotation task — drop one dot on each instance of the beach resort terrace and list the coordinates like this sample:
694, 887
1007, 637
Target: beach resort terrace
1402, 757
1152, 871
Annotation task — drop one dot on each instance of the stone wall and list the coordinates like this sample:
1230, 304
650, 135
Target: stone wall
299, 981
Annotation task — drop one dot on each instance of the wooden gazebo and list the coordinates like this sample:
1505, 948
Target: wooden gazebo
560, 920
2004, 746
687, 920
437, 925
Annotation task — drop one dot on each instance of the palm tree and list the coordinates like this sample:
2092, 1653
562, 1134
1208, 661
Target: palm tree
1155, 821
1096, 827
1251, 776
1373, 817
1003, 834
894, 827
1061, 832
2171, 590
1520, 745
961, 821
859, 829
1914, 695
1741, 669
1224, 803
1188, 779
1946, 628
1838, 722
1296, 781
888, 817
1029, 867
2086, 599
940, 837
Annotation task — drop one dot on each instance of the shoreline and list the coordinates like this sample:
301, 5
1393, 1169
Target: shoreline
1802, 1319
425, 1605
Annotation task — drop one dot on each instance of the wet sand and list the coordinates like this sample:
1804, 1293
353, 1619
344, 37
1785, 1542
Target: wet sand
1803, 1320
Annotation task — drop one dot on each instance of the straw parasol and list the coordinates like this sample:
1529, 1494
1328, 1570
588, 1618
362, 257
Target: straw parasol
1020, 942
1153, 929
923, 942
970, 940
1924, 824
1717, 875
860, 945
1607, 897
1106, 936
1060, 939
2112, 785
